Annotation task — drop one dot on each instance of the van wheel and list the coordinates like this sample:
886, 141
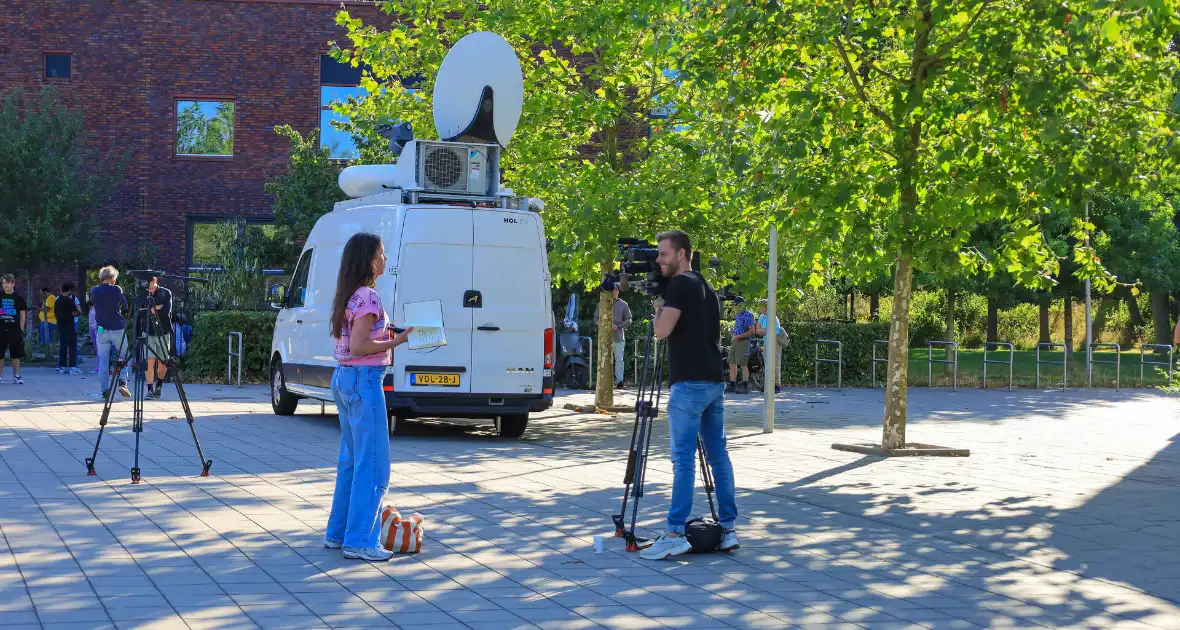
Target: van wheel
512, 426
397, 424
282, 401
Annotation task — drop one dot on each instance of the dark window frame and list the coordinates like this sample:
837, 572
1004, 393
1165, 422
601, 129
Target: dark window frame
205, 98
192, 220
45, 64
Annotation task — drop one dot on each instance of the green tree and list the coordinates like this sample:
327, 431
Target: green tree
49, 181
587, 141
906, 125
306, 191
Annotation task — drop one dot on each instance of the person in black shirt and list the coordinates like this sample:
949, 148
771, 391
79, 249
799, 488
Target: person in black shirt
159, 333
66, 309
12, 327
689, 318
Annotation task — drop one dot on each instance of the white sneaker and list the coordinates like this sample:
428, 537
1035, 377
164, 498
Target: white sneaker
1, 380
729, 541
60, 370
75, 371
332, 544
372, 554
18, 380
666, 546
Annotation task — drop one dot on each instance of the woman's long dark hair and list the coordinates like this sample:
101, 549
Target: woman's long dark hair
356, 271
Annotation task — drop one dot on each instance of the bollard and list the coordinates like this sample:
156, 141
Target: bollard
229, 360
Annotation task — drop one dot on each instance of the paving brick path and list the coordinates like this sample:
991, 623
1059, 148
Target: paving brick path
1067, 514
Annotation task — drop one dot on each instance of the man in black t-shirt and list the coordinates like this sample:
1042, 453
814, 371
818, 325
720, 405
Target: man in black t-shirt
66, 310
689, 318
159, 333
13, 312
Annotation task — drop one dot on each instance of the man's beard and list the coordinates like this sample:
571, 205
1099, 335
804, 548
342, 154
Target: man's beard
671, 268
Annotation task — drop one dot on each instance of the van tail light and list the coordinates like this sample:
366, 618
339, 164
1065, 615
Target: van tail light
548, 348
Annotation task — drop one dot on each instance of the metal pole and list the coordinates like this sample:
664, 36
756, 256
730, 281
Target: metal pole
770, 346
1089, 319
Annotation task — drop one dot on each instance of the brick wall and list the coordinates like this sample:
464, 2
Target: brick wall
132, 59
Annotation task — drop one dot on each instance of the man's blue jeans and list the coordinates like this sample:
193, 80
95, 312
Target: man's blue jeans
362, 471
698, 408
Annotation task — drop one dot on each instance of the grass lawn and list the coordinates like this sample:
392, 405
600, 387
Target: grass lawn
1025, 369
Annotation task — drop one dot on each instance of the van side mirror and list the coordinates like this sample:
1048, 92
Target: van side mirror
276, 294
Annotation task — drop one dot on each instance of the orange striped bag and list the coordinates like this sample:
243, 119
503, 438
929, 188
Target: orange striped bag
400, 535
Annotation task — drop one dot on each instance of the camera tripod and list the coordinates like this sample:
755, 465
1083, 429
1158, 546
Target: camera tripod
647, 409
135, 336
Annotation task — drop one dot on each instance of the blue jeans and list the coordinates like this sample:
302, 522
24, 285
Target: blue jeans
698, 408
47, 331
362, 471
109, 345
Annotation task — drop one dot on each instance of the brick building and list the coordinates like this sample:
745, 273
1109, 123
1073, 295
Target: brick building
188, 93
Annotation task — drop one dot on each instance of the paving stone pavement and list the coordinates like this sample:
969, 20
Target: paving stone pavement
1065, 516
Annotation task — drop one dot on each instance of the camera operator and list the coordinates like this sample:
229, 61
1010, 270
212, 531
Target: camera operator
107, 305
159, 333
689, 318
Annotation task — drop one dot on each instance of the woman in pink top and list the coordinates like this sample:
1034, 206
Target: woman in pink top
364, 347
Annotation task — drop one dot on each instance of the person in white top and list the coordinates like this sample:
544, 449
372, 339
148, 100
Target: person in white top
780, 335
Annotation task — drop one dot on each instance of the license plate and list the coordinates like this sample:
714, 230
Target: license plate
434, 380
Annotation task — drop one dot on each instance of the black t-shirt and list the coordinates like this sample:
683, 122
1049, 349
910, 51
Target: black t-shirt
162, 322
11, 306
694, 349
65, 309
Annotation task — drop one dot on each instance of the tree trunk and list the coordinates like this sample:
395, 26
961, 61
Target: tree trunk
1044, 318
852, 306
874, 307
1133, 310
1159, 316
604, 388
1068, 301
899, 356
993, 319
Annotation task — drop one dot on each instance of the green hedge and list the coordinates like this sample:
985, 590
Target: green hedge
206, 355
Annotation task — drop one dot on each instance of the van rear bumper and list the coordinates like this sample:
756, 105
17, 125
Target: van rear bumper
465, 406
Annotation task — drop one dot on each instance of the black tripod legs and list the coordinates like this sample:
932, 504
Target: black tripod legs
188, 414
106, 413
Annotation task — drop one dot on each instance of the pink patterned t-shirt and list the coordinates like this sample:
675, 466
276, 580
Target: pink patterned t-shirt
365, 301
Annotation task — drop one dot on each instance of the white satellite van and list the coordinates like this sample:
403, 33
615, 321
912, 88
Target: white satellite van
451, 234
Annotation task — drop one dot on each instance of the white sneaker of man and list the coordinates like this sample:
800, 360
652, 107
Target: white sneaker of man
729, 541
666, 546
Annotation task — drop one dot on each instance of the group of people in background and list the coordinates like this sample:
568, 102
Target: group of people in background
108, 310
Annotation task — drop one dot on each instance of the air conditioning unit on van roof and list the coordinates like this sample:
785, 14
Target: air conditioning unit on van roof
478, 97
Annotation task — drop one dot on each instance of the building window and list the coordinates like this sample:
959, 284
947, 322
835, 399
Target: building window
338, 81
205, 128
212, 240
57, 65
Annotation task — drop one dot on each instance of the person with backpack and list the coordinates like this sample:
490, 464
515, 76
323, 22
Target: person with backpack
66, 309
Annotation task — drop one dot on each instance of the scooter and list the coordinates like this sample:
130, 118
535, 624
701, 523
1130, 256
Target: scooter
573, 366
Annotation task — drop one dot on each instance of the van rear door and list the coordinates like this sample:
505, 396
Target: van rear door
435, 263
510, 273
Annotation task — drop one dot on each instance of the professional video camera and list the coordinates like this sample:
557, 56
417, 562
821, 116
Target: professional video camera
638, 258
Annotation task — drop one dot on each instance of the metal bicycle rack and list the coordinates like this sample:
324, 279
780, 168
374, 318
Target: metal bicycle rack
839, 361
591, 351
1063, 362
1117, 363
949, 346
1156, 346
1011, 360
229, 360
876, 360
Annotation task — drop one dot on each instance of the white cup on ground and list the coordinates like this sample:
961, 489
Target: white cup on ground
599, 544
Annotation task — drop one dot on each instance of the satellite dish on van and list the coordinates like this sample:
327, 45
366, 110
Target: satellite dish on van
479, 91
